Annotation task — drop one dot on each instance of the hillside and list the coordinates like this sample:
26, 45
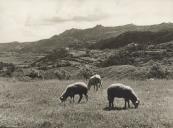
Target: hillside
85, 37
11, 47
137, 37
128, 51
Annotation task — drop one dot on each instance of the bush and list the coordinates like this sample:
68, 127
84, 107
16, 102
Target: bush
6, 69
62, 63
62, 74
157, 71
11, 69
34, 73
121, 57
59, 53
86, 72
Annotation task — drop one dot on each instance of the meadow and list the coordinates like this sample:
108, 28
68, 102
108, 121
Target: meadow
36, 104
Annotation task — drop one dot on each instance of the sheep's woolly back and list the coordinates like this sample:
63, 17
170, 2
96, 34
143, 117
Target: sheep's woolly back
120, 86
95, 76
123, 87
77, 83
81, 84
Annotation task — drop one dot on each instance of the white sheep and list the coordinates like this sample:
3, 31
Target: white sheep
95, 81
78, 88
122, 91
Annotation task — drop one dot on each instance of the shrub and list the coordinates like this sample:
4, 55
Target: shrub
7, 69
62, 74
34, 73
62, 63
59, 53
157, 71
86, 72
10, 69
121, 57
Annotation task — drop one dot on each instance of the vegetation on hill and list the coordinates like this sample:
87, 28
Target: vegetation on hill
143, 38
79, 53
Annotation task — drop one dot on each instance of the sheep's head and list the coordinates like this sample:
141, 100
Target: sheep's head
137, 103
64, 95
62, 99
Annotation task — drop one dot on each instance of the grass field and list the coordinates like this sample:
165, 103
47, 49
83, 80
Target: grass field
36, 105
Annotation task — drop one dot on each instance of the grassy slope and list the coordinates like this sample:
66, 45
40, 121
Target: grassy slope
36, 104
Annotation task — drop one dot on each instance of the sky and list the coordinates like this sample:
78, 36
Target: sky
30, 20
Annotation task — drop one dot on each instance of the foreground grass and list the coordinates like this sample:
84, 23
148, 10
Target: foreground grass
36, 105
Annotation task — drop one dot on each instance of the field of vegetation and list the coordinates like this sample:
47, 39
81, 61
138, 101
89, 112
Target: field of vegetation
36, 104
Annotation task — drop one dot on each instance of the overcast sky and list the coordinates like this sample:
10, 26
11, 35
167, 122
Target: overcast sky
29, 20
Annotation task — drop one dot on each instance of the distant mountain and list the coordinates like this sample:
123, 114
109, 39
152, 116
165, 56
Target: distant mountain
138, 37
79, 38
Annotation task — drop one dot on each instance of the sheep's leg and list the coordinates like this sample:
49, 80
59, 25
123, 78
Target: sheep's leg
97, 87
86, 96
73, 98
110, 104
80, 98
89, 87
110, 99
113, 103
101, 84
128, 103
125, 103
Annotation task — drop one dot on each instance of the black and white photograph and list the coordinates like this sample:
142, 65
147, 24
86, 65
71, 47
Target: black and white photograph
86, 63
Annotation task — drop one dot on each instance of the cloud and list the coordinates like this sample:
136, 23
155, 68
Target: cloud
27, 20
88, 18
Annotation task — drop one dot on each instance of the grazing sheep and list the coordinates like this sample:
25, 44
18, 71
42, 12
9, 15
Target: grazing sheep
95, 81
79, 88
122, 91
